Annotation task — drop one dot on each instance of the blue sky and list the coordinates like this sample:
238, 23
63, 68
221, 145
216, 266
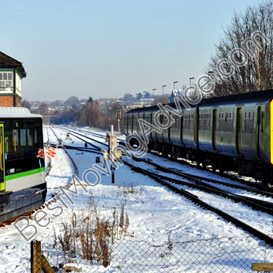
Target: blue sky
105, 48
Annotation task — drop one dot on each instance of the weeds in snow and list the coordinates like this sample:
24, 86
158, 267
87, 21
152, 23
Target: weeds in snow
131, 191
91, 237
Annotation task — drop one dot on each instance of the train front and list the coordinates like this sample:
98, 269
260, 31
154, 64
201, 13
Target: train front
22, 184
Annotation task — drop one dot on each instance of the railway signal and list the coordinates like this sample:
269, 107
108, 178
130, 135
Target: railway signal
113, 153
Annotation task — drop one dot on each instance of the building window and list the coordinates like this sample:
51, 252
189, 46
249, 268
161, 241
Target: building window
6, 79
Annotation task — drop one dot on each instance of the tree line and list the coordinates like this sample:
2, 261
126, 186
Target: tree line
94, 114
257, 72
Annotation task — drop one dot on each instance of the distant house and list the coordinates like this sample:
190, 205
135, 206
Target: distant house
11, 74
173, 95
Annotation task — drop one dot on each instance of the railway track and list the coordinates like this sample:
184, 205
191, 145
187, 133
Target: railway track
224, 174
84, 137
199, 178
249, 187
196, 200
193, 182
198, 183
257, 185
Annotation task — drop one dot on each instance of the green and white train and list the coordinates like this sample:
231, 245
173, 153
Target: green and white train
22, 172
229, 133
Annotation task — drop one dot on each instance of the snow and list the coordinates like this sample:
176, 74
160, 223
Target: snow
200, 238
256, 219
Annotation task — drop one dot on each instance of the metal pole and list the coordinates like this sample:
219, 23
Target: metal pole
174, 84
113, 174
164, 85
191, 78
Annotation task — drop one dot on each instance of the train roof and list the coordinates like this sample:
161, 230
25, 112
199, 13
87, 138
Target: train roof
251, 97
17, 112
256, 96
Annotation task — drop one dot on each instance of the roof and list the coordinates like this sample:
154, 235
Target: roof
256, 96
8, 62
17, 112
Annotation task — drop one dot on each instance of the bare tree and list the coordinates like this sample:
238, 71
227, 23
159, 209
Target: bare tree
26, 104
256, 73
43, 109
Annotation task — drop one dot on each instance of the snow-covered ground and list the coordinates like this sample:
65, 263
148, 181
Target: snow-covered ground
166, 233
256, 219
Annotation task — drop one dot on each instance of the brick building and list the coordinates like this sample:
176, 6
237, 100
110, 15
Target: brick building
11, 74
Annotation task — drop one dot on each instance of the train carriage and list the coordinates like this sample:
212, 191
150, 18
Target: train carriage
154, 135
190, 128
207, 124
237, 138
149, 118
176, 132
230, 133
22, 183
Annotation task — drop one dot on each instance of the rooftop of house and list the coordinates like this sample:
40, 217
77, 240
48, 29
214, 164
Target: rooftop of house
9, 62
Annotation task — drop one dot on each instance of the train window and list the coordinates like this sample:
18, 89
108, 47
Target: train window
29, 137
188, 122
23, 142
226, 122
6, 145
229, 123
15, 139
204, 122
249, 122
23, 137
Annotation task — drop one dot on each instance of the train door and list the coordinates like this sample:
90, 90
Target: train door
214, 120
169, 130
259, 131
181, 128
196, 128
238, 129
2, 159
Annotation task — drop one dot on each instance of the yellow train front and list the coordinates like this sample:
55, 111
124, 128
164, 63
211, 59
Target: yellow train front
22, 183
228, 133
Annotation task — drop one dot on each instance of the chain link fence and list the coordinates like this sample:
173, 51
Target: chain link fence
211, 255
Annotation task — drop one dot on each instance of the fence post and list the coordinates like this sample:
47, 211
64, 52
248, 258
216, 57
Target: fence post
38, 260
36, 252
266, 267
46, 267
